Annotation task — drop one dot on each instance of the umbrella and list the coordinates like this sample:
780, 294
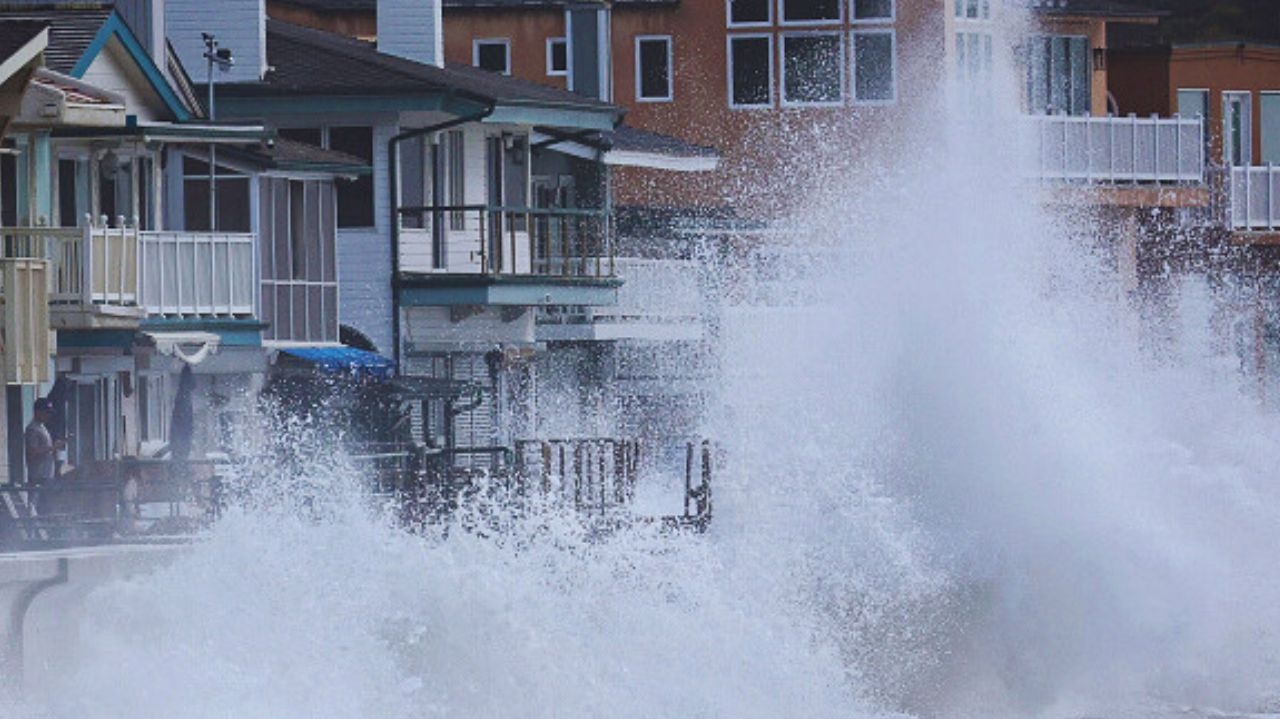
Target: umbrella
182, 425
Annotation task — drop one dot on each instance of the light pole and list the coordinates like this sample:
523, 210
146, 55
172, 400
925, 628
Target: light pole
221, 57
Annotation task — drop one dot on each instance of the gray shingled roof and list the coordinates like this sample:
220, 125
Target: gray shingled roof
315, 62
15, 34
631, 139
72, 29
286, 154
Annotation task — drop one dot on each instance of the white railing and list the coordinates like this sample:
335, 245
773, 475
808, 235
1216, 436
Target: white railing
659, 299
1254, 198
197, 273
87, 266
1117, 149
24, 298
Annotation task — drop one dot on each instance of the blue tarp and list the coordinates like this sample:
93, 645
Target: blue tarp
345, 360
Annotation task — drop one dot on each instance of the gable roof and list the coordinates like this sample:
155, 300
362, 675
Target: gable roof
77, 35
308, 62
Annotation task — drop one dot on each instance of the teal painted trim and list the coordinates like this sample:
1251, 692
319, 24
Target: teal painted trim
43, 189
552, 117
234, 332
531, 294
86, 339
266, 106
116, 27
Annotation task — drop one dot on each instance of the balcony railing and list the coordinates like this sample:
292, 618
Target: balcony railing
660, 299
197, 273
1117, 149
24, 299
1253, 195
506, 241
160, 272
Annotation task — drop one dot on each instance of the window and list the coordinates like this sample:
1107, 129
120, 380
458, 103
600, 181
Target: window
1058, 75
873, 66
812, 69
232, 197
355, 197
1194, 104
872, 10
973, 9
750, 12
1237, 130
750, 70
1270, 128
653, 68
154, 407
492, 55
810, 11
973, 59
557, 57
297, 229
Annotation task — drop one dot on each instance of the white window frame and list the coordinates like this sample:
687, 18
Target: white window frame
728, 17
1248, 126
773, 71
842, 63
503, 41
982, 4
784, 22
855, 20
671, 75
893, 66
551, 71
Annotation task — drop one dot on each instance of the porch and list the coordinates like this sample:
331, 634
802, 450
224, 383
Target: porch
99, 274
1116, 149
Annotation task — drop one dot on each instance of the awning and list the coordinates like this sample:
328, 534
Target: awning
345, 361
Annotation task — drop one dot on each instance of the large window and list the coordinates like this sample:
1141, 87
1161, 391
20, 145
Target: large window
1193, 104
557, 57
1058, 74
750, 70
811, 11
355, 197
873, 66
812, 68
750, 12
232, 197
493, 55
653, 68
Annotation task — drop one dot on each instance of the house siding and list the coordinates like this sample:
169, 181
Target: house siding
411, 29
110, 70
238, 24
364, 257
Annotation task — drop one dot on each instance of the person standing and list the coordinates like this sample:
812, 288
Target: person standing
41, 448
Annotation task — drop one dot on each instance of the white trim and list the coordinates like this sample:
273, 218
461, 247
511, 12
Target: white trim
855, 21
772, 62
893, 66
551, 72
1247, 126
24, 55
655, 161
671, 80
728, 16
504, 42
784, 22
842, 63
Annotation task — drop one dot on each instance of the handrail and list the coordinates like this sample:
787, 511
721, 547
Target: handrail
1128, 149
497, 240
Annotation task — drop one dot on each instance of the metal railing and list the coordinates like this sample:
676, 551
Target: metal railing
1253, 197
488, 240
1117, 149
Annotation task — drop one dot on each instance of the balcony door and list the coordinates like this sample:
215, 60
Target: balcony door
1237, 129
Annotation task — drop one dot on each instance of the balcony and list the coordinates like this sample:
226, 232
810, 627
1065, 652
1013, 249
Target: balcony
485, 255
101, 276
659, 300
1116, 149
1253, 198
